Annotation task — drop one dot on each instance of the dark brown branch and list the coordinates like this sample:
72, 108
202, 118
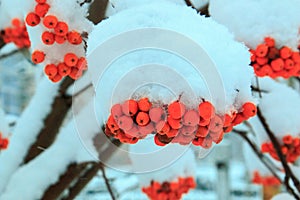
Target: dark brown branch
52, 123
97, 11
258, 86
288, 172
2, 43
9, 54
258, 153
108, 186
56, 190
189, 3
257, 89
82, 181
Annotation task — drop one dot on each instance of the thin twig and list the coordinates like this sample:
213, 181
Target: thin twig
257, 85
258, 153
107, 181
288, 172
257, 89
9, 54
82, 90
189, 3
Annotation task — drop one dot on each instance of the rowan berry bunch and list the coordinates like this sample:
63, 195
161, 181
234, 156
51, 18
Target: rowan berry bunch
169, 190
268, 60
134, 120
16, 33
57, 32
3, 142
265, 180
290, 147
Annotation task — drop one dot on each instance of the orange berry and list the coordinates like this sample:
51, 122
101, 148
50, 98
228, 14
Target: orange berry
277, 65
262, 61
176, 110
204, 122
32, 19
261, 50
145, 130
175, 123
216, 124
60, 39
50, 70
56, 78
288, 139
265, 148
41, 1
238, 119
38, 57
249, 110
289, 64
270, 42
70, 59
41, 9
74, 38
206, 110
112, 124
285, 52
63, 69
16, 22
142, 119
82, 64
134, 132
144, 104
207, 143
50, 21
202, 131
228, 129
191, 118
158, 142
130, 107
172, 133
189, 130
125, 123
227, 120
116, 111
157, 114
296, 57
61, 29
75, 73
162, 128
48, 38
266, 70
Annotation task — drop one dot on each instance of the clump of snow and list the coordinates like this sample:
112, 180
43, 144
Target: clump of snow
283, 196
130, 70
4, 128
252, 21
26, 130
150, 168
281, 108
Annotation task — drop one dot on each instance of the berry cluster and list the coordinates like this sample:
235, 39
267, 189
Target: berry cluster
134, 120
265, 180
267, 60
169, 190
57, 32
17, 34
290, 148
3, 142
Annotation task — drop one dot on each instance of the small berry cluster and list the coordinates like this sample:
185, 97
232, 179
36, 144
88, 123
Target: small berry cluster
134, 120
3, 142
267, 60
57, 32
290, 148
17, 34
265, 180
169, 190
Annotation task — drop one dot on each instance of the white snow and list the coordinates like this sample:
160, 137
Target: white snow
283, 196
252, 21
4, 128
25, 132
176, 75
281, 108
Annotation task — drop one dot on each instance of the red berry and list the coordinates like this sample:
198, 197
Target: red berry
60, 39
202, 131
277, 64
285, 52
50, 21
130, 107
142, 119
48, 38
51, 70
112, 124
288, 139
70, 59
32, 19
162, 128
125, 123
261, 50
82, 64
238, 119
270, 42
144, 104
273, 53
61, 29
172, 133
156, 114
158, 142
175, 123
191, 118
16, 22
63, 69
116, 111
41, 1
216, 124
38, 57
41, 9
176, 110
289, 64
145, 130
74, 38
249, 110
206, 110
75, 73
56, 78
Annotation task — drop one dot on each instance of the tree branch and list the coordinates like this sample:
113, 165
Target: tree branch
288, 172
108, 186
